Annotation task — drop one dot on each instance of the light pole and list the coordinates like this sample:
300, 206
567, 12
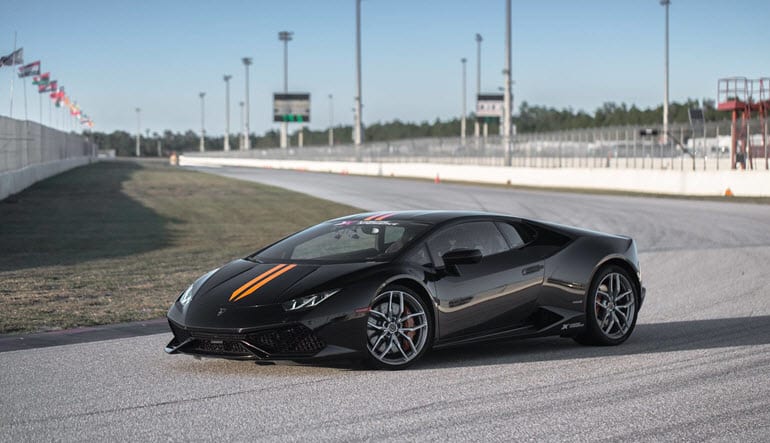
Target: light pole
507, 98
462, 120
227, 111
240, 138
138, 131
203, 122
665, 3
246, 141
476, 126
285, 37
358, 132
331, 120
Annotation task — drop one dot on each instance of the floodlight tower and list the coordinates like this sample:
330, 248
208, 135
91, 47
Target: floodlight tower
476, 127
241, 138
138, 131
358, 130
285, 37
507, 111
227, 111
331, 120
462, 120
246, 140
666, 4
203, 122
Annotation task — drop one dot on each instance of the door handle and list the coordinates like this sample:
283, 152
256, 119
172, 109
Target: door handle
532, 269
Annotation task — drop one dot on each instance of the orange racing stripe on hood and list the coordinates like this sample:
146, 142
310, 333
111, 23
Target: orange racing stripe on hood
236, 294
384, 216
266, 280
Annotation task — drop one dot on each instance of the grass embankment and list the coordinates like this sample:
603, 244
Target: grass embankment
117, 241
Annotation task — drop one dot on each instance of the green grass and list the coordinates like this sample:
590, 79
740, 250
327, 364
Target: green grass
117, 241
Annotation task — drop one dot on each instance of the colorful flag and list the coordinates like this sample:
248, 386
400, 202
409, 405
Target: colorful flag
43, 79
14, 58
58, 96
30, 69
45, 87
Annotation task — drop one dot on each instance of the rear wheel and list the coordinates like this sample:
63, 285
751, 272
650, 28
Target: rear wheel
611, 309
399, 329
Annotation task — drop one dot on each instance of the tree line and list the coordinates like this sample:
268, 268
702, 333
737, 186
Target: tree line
530, 118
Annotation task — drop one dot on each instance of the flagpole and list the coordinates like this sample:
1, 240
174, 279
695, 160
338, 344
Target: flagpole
24, 87
50, 113
13, 59
40, 108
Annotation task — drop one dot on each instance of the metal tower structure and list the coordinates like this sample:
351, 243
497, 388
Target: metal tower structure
742, 97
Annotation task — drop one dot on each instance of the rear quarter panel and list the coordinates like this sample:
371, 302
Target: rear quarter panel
568, 274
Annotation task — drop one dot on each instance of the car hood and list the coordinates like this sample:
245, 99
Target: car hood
244, 283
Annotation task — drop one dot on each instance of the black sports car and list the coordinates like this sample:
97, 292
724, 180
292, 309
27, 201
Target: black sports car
388, 286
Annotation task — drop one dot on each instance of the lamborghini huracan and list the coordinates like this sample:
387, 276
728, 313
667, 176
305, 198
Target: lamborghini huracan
387, 287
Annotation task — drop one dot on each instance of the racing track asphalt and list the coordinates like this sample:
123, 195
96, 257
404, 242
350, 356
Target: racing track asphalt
697, 367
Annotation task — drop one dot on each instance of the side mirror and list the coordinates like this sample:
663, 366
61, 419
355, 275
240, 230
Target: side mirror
461, 257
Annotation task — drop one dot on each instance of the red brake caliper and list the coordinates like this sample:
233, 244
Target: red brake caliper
408, 324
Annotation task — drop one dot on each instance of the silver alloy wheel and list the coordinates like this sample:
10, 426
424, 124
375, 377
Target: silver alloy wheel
397, 329
615, 305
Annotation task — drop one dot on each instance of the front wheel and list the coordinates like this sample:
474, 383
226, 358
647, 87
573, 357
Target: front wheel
611, 308
399, 329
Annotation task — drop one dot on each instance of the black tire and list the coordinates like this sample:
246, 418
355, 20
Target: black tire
605, 326
413, 336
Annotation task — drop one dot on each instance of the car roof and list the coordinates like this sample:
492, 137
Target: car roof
421, 216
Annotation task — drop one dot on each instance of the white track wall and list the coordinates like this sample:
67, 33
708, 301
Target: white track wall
30, 152
670, 182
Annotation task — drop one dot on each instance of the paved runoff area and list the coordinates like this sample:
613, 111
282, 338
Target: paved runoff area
697, 367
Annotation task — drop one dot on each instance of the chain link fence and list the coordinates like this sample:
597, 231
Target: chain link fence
705, 147
25, 143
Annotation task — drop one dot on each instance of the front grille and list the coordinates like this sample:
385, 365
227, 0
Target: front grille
296, 339
293, 340
223, 347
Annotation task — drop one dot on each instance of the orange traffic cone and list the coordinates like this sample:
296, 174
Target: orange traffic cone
437, 180
728, 192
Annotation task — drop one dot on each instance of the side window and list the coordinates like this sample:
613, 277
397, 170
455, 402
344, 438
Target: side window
393, 233
511, 235
483, 236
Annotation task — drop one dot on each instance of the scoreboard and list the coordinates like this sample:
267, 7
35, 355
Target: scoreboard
291, 107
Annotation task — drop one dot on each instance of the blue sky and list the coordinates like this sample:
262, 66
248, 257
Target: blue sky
115, 56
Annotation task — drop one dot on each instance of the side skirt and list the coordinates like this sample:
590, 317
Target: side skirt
546, 321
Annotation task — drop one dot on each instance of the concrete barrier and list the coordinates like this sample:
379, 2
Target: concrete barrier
30, 152
669, 182
12, 182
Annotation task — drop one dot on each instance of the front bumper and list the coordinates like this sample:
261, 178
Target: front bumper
339, 336
283, 342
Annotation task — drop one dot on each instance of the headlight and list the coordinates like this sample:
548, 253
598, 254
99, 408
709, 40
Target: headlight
186, 295
193, 288
309, 301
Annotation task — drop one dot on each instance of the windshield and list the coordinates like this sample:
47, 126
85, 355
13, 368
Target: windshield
345, 241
